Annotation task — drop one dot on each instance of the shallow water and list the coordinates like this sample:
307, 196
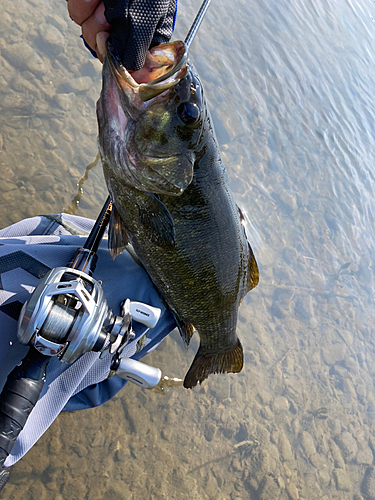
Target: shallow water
290, 90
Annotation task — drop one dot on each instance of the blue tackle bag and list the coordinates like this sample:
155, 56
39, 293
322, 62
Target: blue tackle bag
28, 250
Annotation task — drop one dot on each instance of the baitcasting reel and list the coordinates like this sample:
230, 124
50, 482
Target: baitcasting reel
68, 315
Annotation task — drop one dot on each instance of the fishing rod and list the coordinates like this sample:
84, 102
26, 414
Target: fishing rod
67, 316
196, 23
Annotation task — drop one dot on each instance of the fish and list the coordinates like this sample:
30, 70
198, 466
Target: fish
172, 203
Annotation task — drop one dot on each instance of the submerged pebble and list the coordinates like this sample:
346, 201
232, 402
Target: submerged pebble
342, 480
52, 36
22, 56
347, 444
65, 101
333, 354
280, 403
292, 491
368, 483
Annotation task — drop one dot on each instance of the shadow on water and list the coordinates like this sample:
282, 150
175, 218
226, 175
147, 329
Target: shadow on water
290, 89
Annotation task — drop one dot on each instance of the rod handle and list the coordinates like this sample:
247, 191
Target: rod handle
18, 397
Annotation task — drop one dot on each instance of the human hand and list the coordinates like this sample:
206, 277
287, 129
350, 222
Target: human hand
95, 28
134, 25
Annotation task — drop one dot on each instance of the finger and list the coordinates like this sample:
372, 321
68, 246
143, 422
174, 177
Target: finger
93, 25
101, 38
80, 10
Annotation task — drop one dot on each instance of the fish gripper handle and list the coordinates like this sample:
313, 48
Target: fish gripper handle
18, 397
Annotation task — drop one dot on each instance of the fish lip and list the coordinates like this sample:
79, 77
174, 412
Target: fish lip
147, 91
116, 67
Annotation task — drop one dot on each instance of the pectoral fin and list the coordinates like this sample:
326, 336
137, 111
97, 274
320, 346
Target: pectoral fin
157, 220
117, 235
205, 363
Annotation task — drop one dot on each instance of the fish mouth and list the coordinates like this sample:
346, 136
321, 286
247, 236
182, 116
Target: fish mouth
123, 100
170, 60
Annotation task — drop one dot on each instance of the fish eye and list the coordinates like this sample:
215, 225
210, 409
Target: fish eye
188, 112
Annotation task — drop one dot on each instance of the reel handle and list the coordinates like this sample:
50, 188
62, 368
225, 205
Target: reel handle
19, 396
137, 372
145, 314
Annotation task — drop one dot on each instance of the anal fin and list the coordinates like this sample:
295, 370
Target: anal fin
253, 270
252, 266
186, 331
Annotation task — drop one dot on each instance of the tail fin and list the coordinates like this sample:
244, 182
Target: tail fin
228, 361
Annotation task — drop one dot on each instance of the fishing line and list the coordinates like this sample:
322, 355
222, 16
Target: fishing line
74, 204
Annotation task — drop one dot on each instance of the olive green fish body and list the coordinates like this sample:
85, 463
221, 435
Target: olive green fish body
186, 231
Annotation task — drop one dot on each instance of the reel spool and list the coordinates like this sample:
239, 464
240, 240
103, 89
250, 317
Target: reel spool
68, 315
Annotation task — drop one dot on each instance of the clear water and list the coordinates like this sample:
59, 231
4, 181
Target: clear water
290, 86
